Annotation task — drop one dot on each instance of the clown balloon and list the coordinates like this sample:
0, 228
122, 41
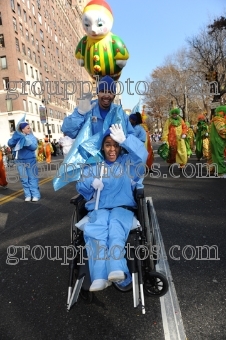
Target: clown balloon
100, 51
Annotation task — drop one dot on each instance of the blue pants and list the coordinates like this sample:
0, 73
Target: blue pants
105, 235
28, 173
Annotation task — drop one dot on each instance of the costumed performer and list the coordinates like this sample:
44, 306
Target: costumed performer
202, 139
24, 144
174, 133
108, 227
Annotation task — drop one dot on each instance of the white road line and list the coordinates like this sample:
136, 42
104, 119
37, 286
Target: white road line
171, 315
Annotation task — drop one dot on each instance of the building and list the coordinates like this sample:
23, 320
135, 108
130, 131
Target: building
38, 70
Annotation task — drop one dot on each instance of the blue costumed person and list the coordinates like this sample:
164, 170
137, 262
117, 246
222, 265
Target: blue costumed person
24, 144
107, 228
86, 125
140, 133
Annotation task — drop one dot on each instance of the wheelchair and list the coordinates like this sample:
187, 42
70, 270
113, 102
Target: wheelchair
141, 262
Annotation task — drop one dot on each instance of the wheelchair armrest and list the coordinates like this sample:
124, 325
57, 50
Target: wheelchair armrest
76, 199
139, 193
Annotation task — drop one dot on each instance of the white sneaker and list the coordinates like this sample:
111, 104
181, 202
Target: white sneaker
35, 199
99, 284
116, 275
27, 199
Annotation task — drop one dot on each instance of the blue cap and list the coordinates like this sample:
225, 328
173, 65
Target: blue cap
106, 84
23, 125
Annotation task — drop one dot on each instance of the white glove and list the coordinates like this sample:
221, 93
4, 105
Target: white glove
206, 134
84, 105
183, 136
97, 184
117, 133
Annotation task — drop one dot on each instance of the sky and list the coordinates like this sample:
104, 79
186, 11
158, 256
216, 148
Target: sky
155, 29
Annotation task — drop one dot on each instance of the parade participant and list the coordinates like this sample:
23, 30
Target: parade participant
140, 133
40, 151
99, 110
202, 139
85, 125
24, 145
3, 181
217, 138
190, 137
174, 133
109, 226
48, 150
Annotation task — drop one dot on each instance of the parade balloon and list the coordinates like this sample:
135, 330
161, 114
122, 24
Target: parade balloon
100, 51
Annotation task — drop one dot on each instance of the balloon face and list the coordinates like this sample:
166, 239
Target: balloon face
97, 24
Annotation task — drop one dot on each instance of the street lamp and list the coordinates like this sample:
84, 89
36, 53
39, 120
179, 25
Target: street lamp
45, 102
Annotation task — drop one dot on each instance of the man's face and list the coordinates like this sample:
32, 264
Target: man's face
27, 130
111, 149
105, 98
175, 116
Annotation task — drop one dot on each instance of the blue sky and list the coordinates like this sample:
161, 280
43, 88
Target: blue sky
153, 30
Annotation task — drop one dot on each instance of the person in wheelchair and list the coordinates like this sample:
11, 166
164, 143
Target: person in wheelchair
108, 227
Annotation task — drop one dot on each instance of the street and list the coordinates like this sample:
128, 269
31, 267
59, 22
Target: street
191, 213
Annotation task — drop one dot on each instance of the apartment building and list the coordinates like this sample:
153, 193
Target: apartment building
39, 74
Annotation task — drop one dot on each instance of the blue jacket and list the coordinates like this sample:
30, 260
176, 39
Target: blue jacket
73, 123
140, 133
119, 180
25, 145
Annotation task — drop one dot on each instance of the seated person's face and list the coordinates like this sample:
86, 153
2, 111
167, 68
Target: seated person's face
105, 98
133, 122
111, 149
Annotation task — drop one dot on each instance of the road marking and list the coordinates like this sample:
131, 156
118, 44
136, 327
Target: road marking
18, 193
171, 315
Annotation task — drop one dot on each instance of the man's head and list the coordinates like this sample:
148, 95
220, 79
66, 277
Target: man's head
106, 92
110, 148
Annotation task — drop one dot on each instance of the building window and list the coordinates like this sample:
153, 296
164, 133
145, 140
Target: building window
41, 35
26, 68
17, 45
23, 49
25, 105
12, 126
43, 50
33, 125
2, 42
30, 21
0, 18
53, 128
37, 45
12, 5
35, 27
19, 65
39, 61
27, 35
34, 57
14, 24
40, 18
30, 107
18, 10
32, 72
36, 74
36, 108
33, 10
32, 39
5, 83
38, 123
21, 29
25, 16
29, 52
28, 4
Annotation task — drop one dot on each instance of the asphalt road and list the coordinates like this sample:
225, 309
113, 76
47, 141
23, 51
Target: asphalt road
191, 213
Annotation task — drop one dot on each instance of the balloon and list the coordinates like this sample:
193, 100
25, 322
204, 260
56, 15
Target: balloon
100, 51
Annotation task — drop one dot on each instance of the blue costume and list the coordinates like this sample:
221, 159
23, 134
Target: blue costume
140, 133
24, 146
107, 229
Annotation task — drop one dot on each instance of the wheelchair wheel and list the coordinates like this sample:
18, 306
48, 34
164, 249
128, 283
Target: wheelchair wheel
123, 289
86, 295
155, 284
